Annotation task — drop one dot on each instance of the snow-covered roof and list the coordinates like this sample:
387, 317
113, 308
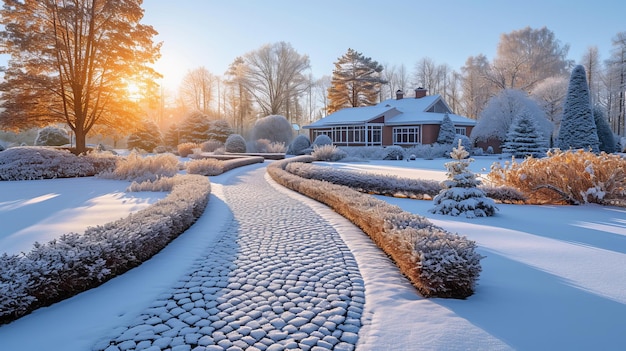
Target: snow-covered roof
406, 111
355, 116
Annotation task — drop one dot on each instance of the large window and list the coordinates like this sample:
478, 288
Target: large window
353, 135
407, 135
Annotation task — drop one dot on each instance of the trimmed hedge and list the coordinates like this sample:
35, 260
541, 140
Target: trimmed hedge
75, 263
438, 263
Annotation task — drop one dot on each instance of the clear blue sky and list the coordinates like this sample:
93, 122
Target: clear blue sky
213, 33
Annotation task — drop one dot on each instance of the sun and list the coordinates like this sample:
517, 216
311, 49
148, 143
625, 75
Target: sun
133, 91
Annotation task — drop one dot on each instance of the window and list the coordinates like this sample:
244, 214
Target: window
353, 135
460, 130
407, 135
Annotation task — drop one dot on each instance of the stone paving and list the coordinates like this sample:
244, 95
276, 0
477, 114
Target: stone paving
280, 278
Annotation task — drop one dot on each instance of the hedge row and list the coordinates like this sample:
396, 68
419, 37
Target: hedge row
438, 263
75, 263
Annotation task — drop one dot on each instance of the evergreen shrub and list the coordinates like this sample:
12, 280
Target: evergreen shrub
235, 144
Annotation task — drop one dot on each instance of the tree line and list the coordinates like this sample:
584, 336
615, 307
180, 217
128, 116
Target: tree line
74, 62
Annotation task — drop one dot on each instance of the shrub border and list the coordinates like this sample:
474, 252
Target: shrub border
399, 234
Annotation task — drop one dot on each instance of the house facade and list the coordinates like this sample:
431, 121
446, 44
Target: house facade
402, 121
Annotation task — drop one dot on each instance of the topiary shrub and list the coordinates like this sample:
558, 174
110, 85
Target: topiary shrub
322, 140
274, 128
52, 136
298, 145
235, 144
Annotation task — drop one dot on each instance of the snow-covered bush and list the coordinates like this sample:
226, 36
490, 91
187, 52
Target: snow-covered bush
503, 194
147, 137
35, 162
322, 140
267, 146
235, 144
74, 263
298, 145
570, 177
185, 149
438, 263
211, 145
135, 167
606, 138
365, 152
205, 166
52, 136
274, 128
394, 152
460, 194
490, 150
327, 153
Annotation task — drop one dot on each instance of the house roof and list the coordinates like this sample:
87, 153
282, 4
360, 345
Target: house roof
406, 111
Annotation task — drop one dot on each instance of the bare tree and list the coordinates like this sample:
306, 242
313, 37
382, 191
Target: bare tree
591, 62
73, 62
550, 95
475, 87
615, 82
238, 99
274, 75
197, 90
527, 56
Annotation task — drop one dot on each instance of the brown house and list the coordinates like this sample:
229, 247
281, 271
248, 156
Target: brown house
401, 121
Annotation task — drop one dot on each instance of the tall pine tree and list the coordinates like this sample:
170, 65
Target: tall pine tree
355, 82
578, 128
524, 138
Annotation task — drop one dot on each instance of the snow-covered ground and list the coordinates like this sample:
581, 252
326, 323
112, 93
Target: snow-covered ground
554, 277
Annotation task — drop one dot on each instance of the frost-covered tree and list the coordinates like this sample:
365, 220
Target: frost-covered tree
219, 130
550, 96
274, 128
460, 194
171, 136
524, 138
447, 132
52, 136
147, 137
497, 117
194, 128
606, 138
578, 128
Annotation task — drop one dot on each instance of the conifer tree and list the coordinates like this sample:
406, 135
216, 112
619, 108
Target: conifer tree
355, 82
605, 134
578, 128
460, 194
524, 138
194, 128
447, 132
171, 136
146, 138
219, 130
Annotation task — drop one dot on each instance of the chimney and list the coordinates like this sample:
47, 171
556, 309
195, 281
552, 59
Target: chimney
399, 94
420, 92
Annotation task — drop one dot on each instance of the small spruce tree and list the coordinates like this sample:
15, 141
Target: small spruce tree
447, 132
460, 194
146, 138
524, 138
194, 128
219, 130
171, 136
578, 128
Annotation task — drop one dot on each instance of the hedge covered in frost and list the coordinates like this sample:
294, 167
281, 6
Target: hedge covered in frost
438, 263
74, 263
213, 166
391, 185
36, 162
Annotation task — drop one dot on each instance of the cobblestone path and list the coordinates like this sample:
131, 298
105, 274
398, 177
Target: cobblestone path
280, 278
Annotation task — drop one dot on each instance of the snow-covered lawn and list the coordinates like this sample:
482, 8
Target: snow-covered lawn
554, 277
